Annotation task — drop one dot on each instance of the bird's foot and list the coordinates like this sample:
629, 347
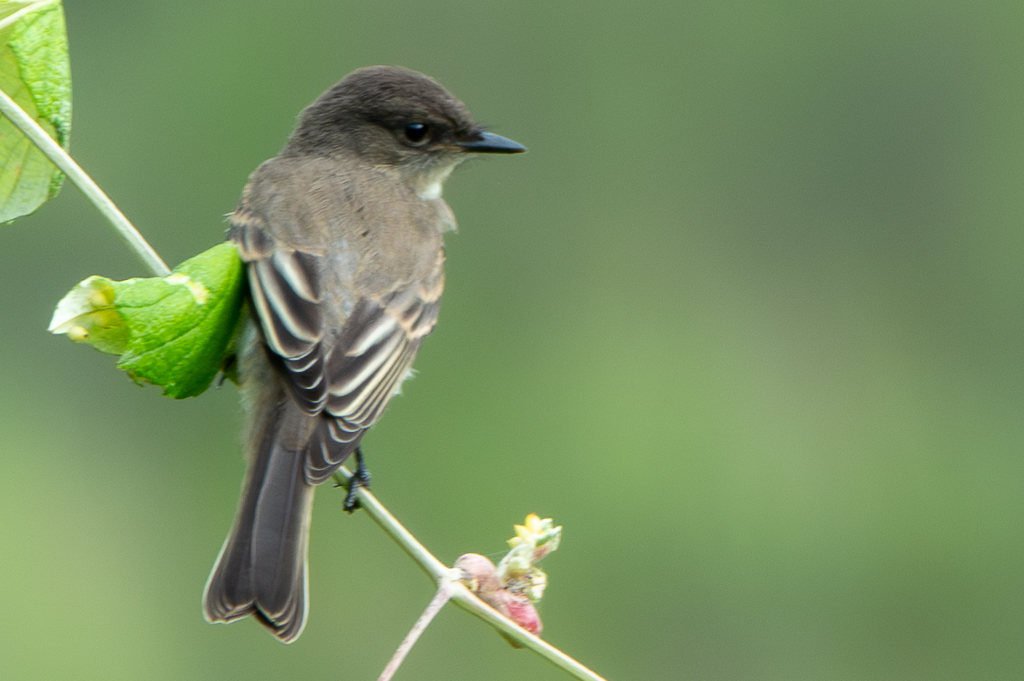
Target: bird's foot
360, 478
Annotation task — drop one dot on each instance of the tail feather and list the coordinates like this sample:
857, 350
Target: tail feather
261, 569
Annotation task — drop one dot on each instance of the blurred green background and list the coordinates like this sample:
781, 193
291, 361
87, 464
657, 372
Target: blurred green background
747, 321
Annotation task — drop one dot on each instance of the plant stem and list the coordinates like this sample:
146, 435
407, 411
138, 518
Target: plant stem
93, 193
469, 602
12, 19
456, 590
436, 603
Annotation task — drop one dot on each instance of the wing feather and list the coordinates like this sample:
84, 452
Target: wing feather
354, 371
347, 376
299, 269
297, 321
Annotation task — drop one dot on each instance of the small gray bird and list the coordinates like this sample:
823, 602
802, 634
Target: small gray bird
342, 237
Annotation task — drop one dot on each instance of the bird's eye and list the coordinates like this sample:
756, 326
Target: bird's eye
416, 133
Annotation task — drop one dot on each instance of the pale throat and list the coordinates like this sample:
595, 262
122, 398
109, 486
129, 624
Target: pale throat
428, 182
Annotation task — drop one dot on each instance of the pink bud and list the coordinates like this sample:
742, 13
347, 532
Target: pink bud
520, 610
481, 577
479, 574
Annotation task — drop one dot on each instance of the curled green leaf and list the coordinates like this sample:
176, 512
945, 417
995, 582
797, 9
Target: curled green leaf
174, 331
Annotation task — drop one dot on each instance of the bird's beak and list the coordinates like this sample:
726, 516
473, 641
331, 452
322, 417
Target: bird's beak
489, 143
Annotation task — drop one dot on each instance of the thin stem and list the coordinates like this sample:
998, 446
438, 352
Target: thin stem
469, 602
93, 193
457, 591
436, 603
434, 568
12, 19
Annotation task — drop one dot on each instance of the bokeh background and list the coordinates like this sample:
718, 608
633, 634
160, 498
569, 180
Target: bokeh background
747, 321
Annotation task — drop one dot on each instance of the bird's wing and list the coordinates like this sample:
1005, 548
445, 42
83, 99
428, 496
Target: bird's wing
347, 377
366, 368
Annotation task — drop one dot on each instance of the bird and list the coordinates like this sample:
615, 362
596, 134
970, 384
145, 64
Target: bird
341, 235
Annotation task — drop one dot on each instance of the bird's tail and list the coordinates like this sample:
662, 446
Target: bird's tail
261, 570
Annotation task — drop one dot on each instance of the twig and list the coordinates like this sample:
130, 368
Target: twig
436, 603
93, 193
469, 602
12, 19
434, 568
456, 590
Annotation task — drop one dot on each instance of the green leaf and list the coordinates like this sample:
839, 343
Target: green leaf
35, 73
175, 332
